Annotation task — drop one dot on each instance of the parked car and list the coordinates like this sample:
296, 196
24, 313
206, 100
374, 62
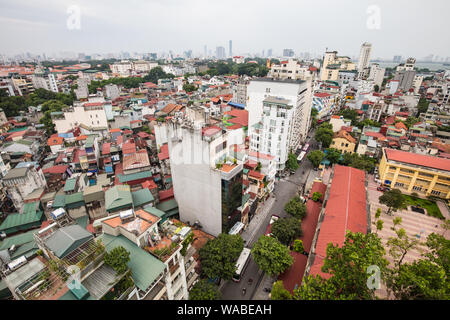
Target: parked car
273, 218
383, 188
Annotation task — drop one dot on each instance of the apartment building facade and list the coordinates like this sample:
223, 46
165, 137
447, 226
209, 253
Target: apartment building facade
279, 114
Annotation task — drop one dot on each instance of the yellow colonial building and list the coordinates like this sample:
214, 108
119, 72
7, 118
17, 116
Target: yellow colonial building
410, 172
343, 142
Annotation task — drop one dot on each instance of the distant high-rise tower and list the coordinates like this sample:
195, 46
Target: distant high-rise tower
206, 51
231, 49
269, 53
288, 52
397, 59
364, 56
220, 53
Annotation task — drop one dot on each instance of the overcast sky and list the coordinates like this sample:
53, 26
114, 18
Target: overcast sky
408, 28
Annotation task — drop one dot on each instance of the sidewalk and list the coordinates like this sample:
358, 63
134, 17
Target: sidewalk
259, 217
444, 209
266, 282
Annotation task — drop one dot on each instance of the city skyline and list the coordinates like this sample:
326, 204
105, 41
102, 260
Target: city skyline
103, 28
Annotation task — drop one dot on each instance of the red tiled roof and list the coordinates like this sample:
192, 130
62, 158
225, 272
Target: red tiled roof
374, 134
418, 159
401, 125
128, 147
165, 194
345, 210
149, 184
55, 141
143, 134
56, 169
259, 155
164, 154
239, 117
93, 104
321, 94
81, 137
256, 174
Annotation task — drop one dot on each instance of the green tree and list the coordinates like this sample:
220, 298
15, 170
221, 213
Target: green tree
118, 259
218, 256
376, 88
48, 107
347, 266
287, 229
292, 163
204, 290
324, 134
318, 288
315, 157
271, 256
420, 280
333, 155
279, 292
379, 225
295, 207
393, 199
317, 196
350, 114
298, 246
189, 87
422, 106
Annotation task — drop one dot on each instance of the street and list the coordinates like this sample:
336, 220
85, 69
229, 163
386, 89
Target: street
284, 190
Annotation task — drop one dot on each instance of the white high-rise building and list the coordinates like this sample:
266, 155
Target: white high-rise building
279, 114
44, 80
376, 74
364, 56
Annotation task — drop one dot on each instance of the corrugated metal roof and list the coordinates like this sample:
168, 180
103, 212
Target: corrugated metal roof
154, 211
118, 196
66, 239
74, 198
21, 219
141, 197
145, 268
60, 201
134, 176
167, 205
70, 184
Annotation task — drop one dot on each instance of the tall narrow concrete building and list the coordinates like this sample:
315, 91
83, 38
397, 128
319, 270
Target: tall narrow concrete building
230, 53
364, 56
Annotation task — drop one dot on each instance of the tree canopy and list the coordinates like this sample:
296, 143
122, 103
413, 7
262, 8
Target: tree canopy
347, 266
393, 199
295, 207
204, 290
291, 162
279, 292
324, 134
118, 259
315, 157
218, 256
271, 256
287, 229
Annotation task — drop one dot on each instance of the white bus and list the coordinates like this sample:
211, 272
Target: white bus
241, 264
301, 156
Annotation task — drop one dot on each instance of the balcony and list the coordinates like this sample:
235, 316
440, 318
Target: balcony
173, 269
